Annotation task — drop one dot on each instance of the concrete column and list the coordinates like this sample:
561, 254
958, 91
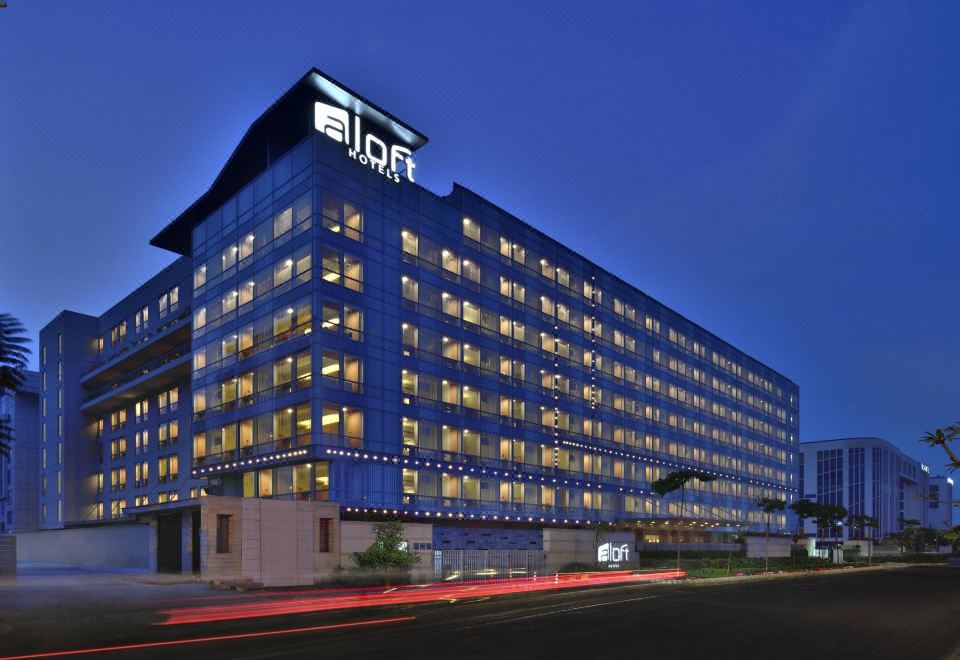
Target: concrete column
152, 546
186, 542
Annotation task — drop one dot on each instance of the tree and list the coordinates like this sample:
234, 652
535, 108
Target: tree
952, 536
677, 480
859, 523
599, 533
803, 509
829, 516
13, 361
943, 438
388, 550
907, 537
769, 506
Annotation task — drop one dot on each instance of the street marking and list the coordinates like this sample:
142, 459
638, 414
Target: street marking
200, 640
574, 609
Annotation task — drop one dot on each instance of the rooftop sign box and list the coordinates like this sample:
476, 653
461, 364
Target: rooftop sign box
316, 103
371, 136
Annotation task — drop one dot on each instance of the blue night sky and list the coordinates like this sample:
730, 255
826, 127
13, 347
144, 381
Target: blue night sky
785, 174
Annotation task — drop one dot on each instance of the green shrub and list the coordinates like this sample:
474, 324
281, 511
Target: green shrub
576, 567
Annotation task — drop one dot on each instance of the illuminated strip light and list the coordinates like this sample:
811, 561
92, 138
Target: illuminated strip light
251, 461
514, 475
201, 640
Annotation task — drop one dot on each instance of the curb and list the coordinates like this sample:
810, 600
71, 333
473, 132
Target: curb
780, 575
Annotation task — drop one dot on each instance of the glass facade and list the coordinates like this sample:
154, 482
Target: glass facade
377, 345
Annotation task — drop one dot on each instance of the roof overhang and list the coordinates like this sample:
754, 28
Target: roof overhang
284, 124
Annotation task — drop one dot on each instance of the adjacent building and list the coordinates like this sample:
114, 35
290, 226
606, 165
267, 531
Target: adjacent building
868, 476
114, 405
940, 503
332, 332
19, 472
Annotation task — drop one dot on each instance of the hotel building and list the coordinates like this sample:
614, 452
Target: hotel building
332, 332
115, 405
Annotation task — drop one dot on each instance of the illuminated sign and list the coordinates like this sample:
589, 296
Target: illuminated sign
366, 148
925, 468
612, 555
949, 481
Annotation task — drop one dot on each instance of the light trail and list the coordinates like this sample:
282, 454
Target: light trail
405, 596
201, 640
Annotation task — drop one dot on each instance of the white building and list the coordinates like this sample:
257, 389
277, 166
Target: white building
940, 504
868, 476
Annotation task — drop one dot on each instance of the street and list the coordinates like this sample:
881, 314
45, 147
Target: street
890, 613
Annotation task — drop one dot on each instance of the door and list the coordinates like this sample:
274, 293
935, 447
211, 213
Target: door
169, 543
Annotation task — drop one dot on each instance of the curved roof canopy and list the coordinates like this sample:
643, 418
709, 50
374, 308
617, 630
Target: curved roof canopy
285, 123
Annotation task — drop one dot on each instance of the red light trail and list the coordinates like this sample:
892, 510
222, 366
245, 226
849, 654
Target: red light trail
405, 595
200, 640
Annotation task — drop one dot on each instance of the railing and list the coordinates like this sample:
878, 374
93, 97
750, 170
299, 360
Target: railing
139, 372
322, 440
126, 349
459, 565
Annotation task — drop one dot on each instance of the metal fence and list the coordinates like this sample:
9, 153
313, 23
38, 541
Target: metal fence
487, 564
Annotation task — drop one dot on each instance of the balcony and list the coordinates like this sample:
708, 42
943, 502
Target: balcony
158, 372
165, 337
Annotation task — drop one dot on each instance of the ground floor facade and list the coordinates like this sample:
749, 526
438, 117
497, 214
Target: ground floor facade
283, 542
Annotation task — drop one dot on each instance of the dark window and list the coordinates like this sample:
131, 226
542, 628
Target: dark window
223, 533
323, 538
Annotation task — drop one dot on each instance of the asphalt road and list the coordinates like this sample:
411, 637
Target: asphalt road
893, 613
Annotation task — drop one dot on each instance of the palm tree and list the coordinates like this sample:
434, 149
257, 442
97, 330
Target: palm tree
13, 360
769, 505
863, 522
803, 509
677, 480
943, 438
830, 516
907, 537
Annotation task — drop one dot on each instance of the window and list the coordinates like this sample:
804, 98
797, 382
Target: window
199, 276
409, 242
118, 333
142, 471
142, 410
169, 302
223, 533
142, 319
343, 217
410, 288
471, 229
342, 269
409, 334
118, 419
168, 468
118, 449
323, 534
168, 401
321, 481
169, 433
141, 442
118, 479
338, 317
